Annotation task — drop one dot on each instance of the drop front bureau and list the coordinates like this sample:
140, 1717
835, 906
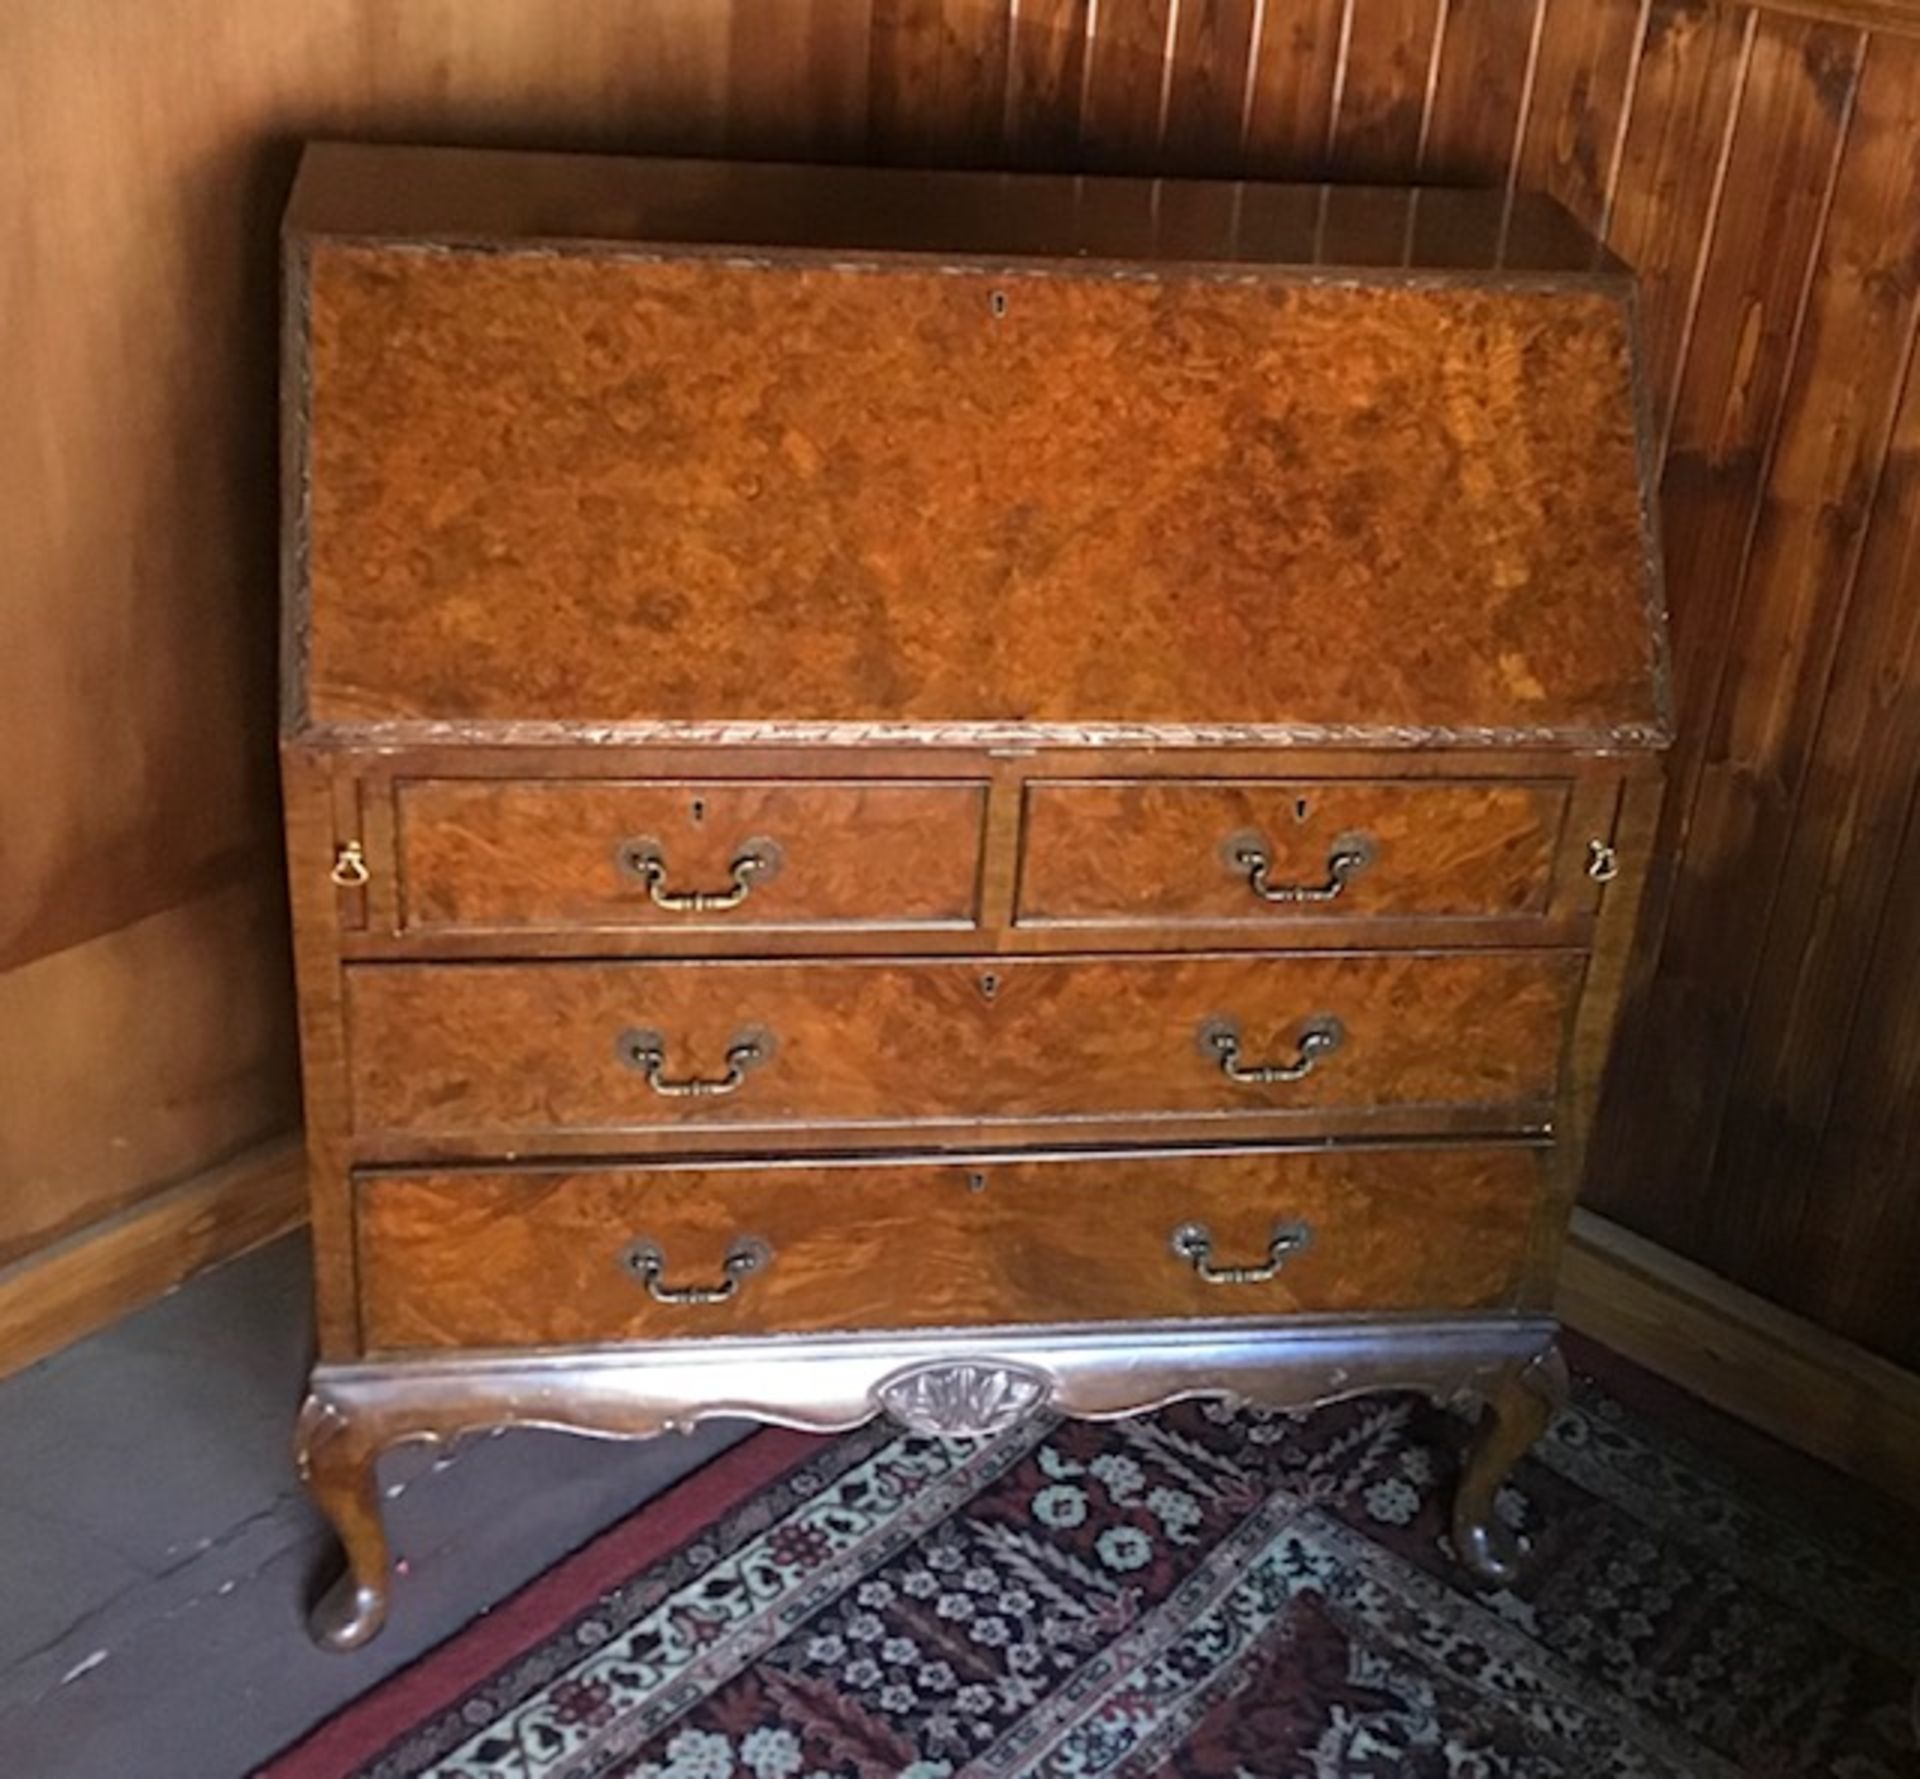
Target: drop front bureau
947, 795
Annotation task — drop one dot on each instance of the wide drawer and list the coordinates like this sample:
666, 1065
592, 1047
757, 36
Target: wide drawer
1219, 850
509, 1053
493, 1259
481, 853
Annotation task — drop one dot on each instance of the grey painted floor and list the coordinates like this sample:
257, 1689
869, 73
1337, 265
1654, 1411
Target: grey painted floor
156, 1554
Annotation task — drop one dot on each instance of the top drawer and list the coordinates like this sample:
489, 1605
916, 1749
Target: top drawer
492, 854
1264, 850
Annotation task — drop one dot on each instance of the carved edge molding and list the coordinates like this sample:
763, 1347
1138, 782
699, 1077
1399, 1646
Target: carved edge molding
960, 1383
880, 732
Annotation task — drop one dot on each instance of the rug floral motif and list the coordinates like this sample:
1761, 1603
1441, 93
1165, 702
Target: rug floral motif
1220, 1594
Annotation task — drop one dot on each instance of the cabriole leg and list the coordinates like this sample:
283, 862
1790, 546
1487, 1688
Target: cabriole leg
336, 1459
1516, 1414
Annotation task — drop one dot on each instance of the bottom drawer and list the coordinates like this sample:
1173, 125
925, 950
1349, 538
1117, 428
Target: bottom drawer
480, 1258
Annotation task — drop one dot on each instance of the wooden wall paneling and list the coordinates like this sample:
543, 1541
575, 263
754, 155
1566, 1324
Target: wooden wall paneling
937, 81
1582, 93
1734, 1349
134, 683
1796, 595
1824, 744
1694, 58
1480, 91
136, 1059
1779, 180
1833, 1045
1046, 79
1288, 112
1860, 1266
1209, 58
1124, 107
1382, 88
71, 1288
797, 79
651, 77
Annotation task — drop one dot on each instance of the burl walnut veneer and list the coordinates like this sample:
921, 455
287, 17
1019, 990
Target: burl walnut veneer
947, 795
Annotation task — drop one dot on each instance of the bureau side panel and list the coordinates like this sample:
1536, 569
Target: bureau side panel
313, 793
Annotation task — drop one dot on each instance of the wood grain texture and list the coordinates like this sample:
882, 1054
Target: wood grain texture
1481, 87
1785, 1375
937, 80
1692, 73
792, 568
1208, 66
1123, 106
147, 150
1383, 88
1046, 81
1288, 113
1753, 806
1170, 850
66, 1290
506, 1053
139, 1058
1583, 76
484, 1259
1660, 1117
478, 853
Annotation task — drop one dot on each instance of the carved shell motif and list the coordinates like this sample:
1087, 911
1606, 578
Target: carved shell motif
958, 1399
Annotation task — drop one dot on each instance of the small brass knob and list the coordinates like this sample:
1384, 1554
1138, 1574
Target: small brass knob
1603, 862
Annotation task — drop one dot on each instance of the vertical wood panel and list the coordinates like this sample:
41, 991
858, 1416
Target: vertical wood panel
1046, 77
1657, 1120
797, 78
1206, 89
1693, 67
1289, 101
1799, 578
1833, 1044
938, 81
1860, 1255
1382, 87
1581, 86
1801, 943
1486, 68
1126, 86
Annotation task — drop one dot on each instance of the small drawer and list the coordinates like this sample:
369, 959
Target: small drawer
494, 854
501, 1259
1261, 850
520, 1054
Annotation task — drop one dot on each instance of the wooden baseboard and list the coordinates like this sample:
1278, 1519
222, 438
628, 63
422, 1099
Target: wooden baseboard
1749, 1357
52, 1298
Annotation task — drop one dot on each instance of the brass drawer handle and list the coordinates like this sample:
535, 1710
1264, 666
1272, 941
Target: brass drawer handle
648, 1263
1349, 856
1320, 1037
646, 1051
756, 862
349, 865
1193, 1242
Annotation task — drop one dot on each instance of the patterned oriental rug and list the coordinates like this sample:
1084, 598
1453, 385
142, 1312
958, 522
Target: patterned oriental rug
1203, 1592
